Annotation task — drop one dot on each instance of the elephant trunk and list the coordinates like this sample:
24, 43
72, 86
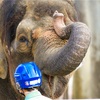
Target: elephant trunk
60, 26
71, 55
65, 59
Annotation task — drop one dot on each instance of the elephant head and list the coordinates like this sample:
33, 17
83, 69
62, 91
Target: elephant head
46, 32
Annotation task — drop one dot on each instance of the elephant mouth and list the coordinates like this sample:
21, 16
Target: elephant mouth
53, 86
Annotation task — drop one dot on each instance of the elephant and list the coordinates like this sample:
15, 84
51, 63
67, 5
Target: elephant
46, 32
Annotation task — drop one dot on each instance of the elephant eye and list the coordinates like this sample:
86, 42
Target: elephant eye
23, 39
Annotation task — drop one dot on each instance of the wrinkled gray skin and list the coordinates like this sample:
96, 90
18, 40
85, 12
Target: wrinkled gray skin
45, 32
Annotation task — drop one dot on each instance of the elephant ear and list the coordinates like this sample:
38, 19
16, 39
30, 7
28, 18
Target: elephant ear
11, 13
3, 63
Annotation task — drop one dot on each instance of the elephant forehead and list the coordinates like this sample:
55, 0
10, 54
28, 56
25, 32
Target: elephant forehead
45, 7
26, 24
